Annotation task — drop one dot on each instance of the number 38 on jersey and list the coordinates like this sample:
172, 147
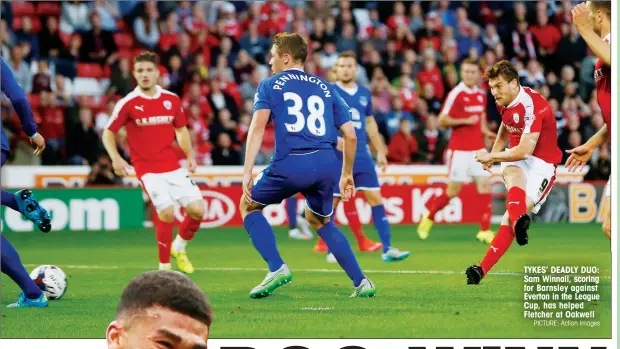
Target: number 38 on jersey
315, 122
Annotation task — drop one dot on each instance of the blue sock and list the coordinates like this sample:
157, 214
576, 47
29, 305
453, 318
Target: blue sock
340, 247
263, 239
12, 266
383, 227
291, 211
9, 200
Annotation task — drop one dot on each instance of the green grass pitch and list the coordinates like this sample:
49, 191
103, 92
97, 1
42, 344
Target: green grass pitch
422, 297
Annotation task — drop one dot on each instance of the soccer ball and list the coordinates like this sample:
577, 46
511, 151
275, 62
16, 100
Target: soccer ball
51, 280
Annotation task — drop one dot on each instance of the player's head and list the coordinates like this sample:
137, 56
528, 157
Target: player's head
145, 70
161, 308
600, 15
347, 67
288, 51
503, 81
470, 72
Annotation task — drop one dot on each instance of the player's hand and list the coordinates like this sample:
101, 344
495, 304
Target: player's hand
578, 158
487, 166
484, 157
472, 120
191, 164
347, 187
340, 144
382, 161
248, 183
39, 143
121, 167
580, 16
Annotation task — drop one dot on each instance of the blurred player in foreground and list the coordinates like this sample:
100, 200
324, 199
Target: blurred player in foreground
528, 166
358, 98
593, 21
307, 113
464, 112
23, 201
161, 309
153, 118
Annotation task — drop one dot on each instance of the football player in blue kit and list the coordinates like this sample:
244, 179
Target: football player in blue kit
23, 201
358, 98
307, 113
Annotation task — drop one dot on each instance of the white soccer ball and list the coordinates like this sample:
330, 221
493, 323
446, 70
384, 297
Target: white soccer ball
51, 280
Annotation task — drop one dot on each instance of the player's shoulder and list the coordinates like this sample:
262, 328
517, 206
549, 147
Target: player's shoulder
129, 98
363, 90
169, 94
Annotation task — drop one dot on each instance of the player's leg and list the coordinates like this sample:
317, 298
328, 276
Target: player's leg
607, 213
11, 264
483, 185
457, 175
516, 200
24, 202
158, 190
380, 220
267, 190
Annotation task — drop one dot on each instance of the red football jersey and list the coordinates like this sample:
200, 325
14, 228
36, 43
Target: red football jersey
150, 123
602, 78
530, 113
463, 102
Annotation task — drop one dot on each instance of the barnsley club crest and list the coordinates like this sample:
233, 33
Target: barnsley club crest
480, 99
363, 101
168, 105
515, 117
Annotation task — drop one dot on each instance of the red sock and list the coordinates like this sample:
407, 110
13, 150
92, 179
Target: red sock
485, 218
437, 204
516, 204
164, 240
188, 228
499, 246
354, 220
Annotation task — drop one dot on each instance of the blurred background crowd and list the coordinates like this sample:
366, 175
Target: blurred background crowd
74, 60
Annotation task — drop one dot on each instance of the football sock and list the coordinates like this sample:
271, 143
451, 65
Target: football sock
340, 247
498, 247
516, 204
291, 211
179, 243
187, 230
9, 200
383, 227
263, 239
163, 232
354, 221
485, 218
13, 267
437, 204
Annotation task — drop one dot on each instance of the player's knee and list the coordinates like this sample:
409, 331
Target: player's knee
453, 189
315, 221
245, 208
166, 215
607, 229
505, 219
483, 187
196, 210
373, 197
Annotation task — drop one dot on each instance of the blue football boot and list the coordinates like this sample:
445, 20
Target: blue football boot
30, 208
23, 302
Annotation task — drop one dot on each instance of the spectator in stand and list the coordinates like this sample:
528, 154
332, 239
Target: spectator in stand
347, 41
102, 173
571, 48
26, 35
416, 18
20, 69
75, 17
220, 100
255, 44
431, 74
524, 44
491, 38
395, 116
42, 81
98, 45
532, 76
109, 12
50, 43
195, 96
51, 120
145, 27
547, 35
7, 40
175, 74
63, 90
431, 142
121, 82
84, 145
244, 67
249, 87
223, 124
398, 18
403, 146
428, 94
223, 153
103, 117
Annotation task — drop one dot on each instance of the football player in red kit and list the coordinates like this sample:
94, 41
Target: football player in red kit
593, 21
154, 118
528, 165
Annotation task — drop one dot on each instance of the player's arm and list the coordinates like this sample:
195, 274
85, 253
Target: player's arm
601, 49
445, 121
108, 138
343, 122
184, 139
501, 139
599, 138
18, 99
579, 156
526, 147
349, 139
376, 141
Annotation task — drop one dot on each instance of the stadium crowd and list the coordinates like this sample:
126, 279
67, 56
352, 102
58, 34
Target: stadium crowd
74, 60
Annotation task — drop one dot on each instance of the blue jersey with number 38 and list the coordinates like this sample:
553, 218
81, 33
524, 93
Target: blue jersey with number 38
306, 111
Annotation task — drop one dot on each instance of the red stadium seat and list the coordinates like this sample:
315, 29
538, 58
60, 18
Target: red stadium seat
125, 53
48, 9
107, 71
167, 40
36, 23
90, 70
21, 9
65, 38
123, 40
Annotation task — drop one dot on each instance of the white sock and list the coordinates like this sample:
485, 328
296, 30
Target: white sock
164, 265
179, 244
